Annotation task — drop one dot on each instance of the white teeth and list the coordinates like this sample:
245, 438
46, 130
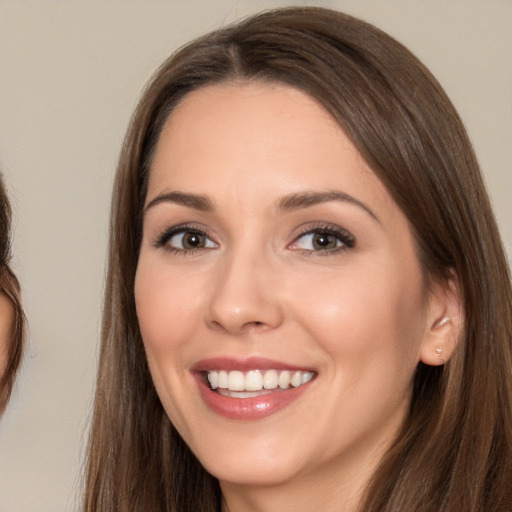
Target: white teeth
284, 379
296, 379
253, 381
213, 379
270, 379
306, 377
236, 381
223, 379
256, 380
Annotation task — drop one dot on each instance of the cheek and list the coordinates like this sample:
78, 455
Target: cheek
373, 316
167, 310
370, 327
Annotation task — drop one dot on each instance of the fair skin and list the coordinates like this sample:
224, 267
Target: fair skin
283, 250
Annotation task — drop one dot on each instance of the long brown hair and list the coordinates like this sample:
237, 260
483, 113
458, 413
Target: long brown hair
454, 452
9, 287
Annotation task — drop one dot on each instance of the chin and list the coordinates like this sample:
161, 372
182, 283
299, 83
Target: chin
250, 459
250, 472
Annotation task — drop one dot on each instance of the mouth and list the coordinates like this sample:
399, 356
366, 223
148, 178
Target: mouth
254, 383
250, 389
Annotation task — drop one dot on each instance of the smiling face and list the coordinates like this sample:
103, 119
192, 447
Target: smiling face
275, 264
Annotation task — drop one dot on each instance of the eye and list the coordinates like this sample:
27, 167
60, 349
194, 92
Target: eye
324, 239
185, 239
190, 240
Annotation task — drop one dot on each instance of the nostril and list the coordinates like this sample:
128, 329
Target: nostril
254, 325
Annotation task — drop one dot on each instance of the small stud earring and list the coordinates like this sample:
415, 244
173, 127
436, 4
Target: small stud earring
439, 352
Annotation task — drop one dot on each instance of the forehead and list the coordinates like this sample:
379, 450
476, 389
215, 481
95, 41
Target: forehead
263, 122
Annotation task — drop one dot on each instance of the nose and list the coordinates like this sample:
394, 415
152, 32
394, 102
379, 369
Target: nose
244, 296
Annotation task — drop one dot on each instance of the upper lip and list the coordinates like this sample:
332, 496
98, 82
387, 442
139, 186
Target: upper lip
245, 364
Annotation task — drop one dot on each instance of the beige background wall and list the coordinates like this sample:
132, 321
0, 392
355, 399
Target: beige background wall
70, 74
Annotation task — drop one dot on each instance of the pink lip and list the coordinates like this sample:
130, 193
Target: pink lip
244, 365
253, 408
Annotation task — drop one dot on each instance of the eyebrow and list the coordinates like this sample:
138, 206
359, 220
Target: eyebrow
308, 199
196, 201
289, 202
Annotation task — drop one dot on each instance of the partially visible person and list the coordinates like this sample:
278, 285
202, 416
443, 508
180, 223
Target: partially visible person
11, 311
308, 304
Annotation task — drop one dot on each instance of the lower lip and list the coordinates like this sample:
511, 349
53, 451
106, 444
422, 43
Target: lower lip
253, 408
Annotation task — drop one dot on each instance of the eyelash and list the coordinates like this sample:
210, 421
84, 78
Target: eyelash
344, 237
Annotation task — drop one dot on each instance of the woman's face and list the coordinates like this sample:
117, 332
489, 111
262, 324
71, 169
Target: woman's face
273, 257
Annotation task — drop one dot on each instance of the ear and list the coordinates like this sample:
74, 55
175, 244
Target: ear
444, 322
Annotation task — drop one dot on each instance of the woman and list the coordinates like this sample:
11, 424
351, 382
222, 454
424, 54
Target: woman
301, 242
11, 312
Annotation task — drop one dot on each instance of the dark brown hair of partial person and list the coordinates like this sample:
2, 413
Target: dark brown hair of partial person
454, 452
10, 287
